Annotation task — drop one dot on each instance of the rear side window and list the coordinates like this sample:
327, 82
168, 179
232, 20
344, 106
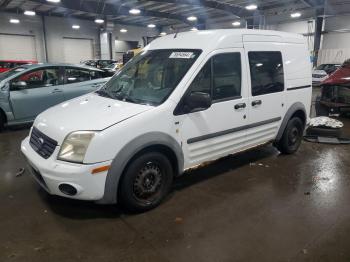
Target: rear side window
220, 77
76, 75
226, 76
266, 72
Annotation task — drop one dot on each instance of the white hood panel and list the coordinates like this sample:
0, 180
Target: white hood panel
88, 112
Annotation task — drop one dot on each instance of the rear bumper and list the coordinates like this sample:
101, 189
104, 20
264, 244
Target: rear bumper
51, 173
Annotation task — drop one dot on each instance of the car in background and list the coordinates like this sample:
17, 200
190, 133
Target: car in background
322, 72
98, 63
112, 68
6, 65
335, 92
28, 90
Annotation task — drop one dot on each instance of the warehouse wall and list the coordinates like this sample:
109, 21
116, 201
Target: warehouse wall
335, 45
134, 33
28, 26
59, 28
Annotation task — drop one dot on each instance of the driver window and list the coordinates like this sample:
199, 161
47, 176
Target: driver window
36, 79
266, 72
202, 82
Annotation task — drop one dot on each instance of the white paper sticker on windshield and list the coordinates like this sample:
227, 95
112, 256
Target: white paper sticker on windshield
185, 55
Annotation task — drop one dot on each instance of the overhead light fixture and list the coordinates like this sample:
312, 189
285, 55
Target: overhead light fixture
123, 30
295, 15
194, 29
14, 21
192, 18
75, 26
236, 23
162, 33
30, 13
251, 7
53, 1
151, 26
134, 11
99, 21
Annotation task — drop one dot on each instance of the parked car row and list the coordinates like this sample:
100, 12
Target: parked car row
335, 92
322, 72
98, 63
28, 90
6, 65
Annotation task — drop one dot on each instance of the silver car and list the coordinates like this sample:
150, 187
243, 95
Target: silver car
28, 90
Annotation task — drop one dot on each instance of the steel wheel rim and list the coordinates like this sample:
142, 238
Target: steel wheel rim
293, 137
147, 183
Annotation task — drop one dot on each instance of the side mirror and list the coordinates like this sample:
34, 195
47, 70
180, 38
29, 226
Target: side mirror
19, 85
197, 101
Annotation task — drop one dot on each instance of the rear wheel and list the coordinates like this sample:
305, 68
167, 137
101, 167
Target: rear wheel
146, 182
292, 136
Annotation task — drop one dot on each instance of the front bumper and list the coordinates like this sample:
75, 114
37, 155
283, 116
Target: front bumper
51, 173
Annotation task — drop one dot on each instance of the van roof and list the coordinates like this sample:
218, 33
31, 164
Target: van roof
222, 38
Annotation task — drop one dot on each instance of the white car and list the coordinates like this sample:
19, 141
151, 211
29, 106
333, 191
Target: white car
185, 100
322, 72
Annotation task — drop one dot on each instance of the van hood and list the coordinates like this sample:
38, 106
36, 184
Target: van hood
88, 112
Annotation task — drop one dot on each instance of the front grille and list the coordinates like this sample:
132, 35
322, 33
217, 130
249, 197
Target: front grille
42, 144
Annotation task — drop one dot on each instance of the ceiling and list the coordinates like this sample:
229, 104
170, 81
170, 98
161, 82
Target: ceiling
174, 12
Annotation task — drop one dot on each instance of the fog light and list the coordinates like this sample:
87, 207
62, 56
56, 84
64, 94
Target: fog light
68, 189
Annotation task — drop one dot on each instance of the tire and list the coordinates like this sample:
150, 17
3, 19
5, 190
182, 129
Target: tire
324, 131
2, 122
292, 136
146, 181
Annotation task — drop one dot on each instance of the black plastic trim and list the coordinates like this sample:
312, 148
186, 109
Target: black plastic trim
232, 130
298, 87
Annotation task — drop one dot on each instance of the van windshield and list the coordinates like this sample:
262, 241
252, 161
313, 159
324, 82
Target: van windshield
151, 76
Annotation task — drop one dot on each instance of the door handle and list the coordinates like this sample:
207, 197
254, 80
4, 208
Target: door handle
256, 103
240, 106
56, 90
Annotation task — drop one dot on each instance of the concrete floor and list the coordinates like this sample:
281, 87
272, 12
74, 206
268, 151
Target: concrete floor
257, 206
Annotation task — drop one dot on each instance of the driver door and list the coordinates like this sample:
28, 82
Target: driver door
33, 92
220, 129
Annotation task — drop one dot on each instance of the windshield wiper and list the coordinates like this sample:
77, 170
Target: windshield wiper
103, 93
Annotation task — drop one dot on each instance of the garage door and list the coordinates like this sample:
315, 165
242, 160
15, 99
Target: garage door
17, 47
77, 50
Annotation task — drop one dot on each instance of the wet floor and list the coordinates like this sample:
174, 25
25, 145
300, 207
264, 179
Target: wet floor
257, 206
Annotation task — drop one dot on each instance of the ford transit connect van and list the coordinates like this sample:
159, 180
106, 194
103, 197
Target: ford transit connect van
186, 99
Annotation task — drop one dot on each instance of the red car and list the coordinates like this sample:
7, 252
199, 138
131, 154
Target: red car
6, 65
335, 92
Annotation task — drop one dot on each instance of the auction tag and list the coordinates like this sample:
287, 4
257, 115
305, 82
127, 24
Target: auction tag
185, 55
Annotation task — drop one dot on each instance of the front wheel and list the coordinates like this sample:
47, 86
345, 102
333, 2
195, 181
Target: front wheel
146, 182
292, 136
2, 122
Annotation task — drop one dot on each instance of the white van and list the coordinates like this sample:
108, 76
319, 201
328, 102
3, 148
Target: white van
186, 99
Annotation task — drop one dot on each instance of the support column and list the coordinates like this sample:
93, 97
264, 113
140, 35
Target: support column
317, 34
46, 56
107, 41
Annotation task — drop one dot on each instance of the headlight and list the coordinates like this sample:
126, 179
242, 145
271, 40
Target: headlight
75, 145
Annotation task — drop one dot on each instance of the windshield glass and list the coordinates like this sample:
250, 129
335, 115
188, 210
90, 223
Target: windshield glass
151, 76
11, 72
